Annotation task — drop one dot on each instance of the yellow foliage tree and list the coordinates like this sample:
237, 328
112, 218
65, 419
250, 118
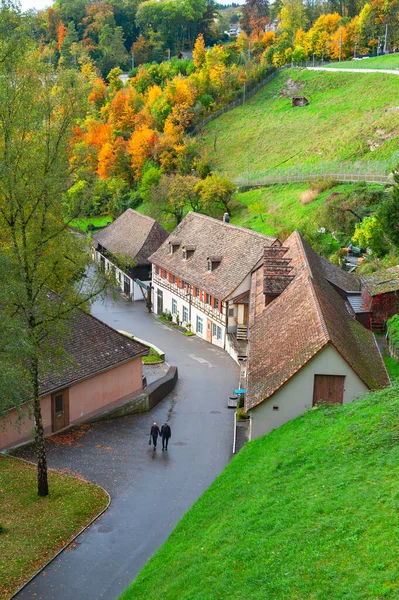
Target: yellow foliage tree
199, 51
140, 146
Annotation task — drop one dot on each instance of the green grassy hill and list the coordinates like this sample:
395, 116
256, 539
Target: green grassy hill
308, 512
350, 117
390, 61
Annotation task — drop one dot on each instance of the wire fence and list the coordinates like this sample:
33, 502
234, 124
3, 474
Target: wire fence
369, 171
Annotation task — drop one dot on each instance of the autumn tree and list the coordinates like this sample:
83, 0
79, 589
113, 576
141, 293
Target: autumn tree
199, 51
255, 15
172, 195
39, 252
216, 192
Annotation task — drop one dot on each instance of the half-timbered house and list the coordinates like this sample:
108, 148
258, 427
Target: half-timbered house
201, 275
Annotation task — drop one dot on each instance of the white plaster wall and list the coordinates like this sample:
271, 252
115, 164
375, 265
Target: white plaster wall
195, 311
296, 396
243, 287
135, 291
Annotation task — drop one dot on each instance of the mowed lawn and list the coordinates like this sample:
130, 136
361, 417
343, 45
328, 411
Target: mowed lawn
33, 529
308, 512
348, 115
390, 61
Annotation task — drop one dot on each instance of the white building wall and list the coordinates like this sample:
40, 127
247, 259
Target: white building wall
135, 290
196, 311
296, 396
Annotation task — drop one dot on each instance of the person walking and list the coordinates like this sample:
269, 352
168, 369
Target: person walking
154, 433
166, 434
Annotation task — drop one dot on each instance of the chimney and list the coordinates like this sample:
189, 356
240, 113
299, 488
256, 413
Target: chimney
276, 271
226, 217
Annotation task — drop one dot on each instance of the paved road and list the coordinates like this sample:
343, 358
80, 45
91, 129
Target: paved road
150, 492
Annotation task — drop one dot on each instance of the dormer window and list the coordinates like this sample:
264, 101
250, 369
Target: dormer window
174, 245
213, 262
188, 251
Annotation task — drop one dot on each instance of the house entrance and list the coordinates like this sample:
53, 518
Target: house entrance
328, 389
126, 285
159, 301
60, 410
209, 331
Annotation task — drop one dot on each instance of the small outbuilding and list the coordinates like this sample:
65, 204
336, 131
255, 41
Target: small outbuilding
132, 238
102, 369
380, 294
299, 101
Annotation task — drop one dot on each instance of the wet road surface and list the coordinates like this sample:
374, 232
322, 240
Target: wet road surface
150, 491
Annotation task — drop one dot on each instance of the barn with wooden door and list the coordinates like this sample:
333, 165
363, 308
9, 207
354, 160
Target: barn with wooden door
101, 368
380, 296
305, 345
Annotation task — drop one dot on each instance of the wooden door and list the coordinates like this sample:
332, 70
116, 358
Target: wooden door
328, 389
60, 410
245, 314
126, 285
159, 301
209, 331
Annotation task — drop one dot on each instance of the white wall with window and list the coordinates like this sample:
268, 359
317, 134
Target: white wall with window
188, 313
126, 283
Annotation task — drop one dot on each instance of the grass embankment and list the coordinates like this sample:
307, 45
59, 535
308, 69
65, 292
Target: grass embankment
95, 222
390, 61
278, 208
33, 529
345, 120
310, 511
153, 357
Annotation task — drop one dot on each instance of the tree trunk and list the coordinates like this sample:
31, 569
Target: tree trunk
42, 481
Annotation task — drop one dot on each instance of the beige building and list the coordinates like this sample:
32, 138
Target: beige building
103, 369
305, 345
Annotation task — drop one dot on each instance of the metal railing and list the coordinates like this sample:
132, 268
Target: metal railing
369, 171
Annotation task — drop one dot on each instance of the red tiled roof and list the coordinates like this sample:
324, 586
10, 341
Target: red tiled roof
238, 248
91, 347
307, 316
134, 234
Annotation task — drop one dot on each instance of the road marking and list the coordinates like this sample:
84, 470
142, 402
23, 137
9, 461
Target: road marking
202, 361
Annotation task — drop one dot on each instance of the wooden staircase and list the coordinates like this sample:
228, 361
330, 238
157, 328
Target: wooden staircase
242, 333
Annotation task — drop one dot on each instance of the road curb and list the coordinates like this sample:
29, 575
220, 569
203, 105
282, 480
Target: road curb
74, 537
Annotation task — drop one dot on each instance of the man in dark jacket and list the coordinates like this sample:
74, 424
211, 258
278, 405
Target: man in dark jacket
166, 433
154, 433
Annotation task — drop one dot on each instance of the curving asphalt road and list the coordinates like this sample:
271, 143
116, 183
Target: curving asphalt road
150, 491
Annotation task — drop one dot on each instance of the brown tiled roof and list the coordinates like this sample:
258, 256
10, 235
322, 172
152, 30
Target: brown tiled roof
306, 317
91, 347
382, 281
238, 248
134, 234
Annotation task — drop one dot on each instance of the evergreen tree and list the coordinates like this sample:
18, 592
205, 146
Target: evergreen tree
68, 48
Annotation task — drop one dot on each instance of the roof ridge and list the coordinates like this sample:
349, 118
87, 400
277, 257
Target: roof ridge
230, 225
88, 314
136, 212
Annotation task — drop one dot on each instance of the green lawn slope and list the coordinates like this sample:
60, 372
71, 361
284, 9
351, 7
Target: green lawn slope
308, 512
351, 116
390, 61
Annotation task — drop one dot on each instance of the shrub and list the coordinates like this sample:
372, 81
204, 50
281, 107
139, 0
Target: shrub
308, 196
241, 415
393, 332
322, 184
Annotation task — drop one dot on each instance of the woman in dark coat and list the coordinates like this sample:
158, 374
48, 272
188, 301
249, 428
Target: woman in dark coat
154, 433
